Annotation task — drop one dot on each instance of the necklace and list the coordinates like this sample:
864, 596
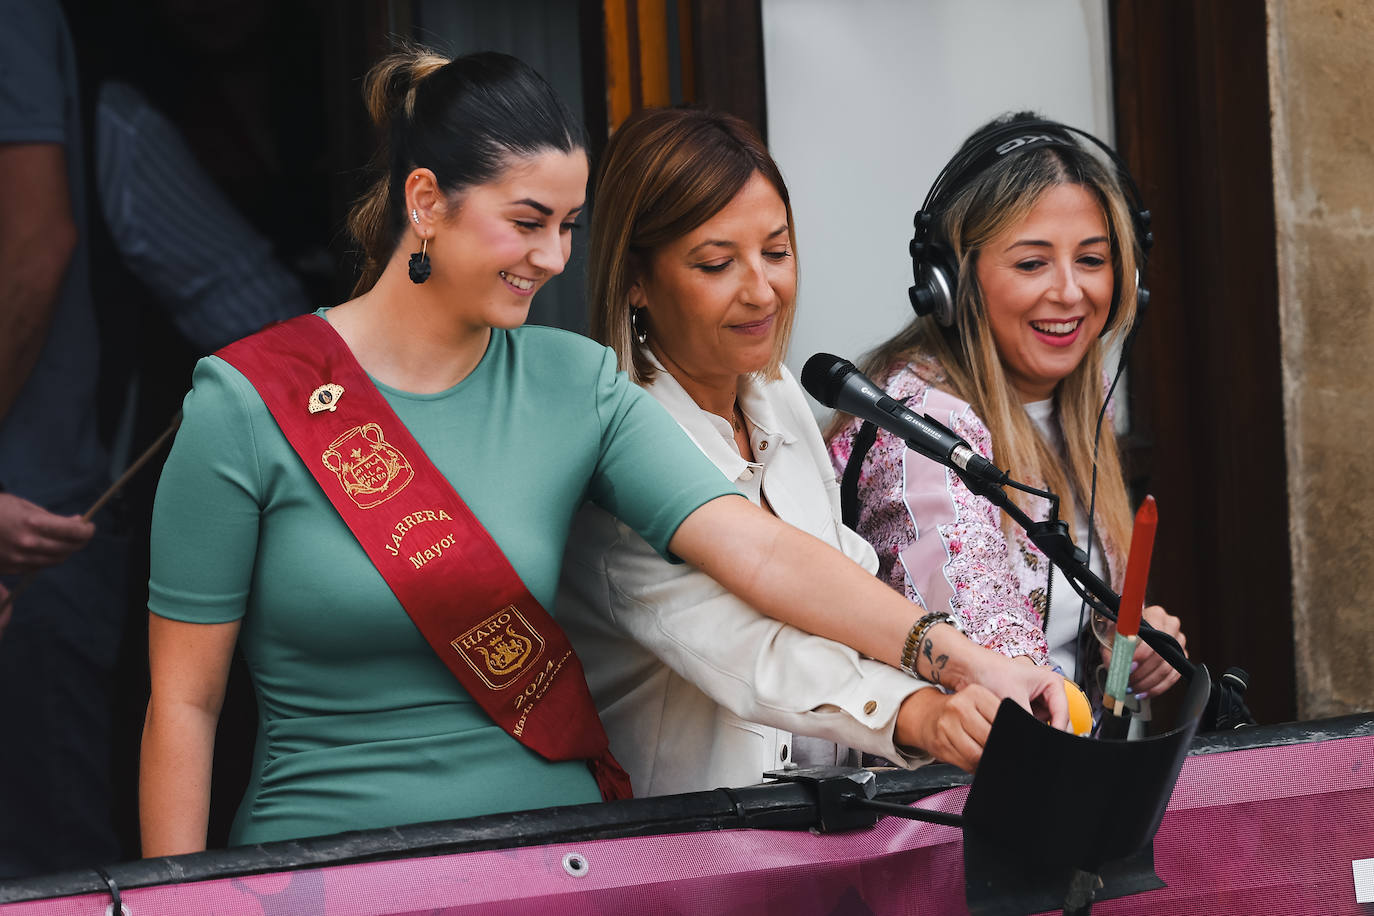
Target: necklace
736, 420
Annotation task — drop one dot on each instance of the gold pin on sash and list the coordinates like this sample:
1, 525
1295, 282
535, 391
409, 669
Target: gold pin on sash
325, 397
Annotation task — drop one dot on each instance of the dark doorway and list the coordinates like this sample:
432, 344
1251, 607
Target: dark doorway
1192, 107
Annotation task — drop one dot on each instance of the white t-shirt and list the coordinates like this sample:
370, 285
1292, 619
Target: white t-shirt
1061, 632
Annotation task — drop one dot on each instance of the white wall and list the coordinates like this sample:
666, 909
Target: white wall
867, 99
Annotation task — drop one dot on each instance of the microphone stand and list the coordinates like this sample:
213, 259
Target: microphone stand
1225, 705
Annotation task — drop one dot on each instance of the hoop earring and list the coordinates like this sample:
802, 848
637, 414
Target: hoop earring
641, 333
419, 263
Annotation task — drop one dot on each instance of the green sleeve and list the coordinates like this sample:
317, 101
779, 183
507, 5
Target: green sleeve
207, 511
649, 474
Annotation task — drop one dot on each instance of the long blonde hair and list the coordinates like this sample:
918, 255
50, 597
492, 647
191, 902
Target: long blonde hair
986, 206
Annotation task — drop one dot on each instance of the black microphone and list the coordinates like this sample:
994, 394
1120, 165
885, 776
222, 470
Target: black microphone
836, 383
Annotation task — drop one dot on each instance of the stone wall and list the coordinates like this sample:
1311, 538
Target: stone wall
1322, 92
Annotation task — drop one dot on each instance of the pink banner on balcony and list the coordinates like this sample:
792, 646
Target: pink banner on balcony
1270, 830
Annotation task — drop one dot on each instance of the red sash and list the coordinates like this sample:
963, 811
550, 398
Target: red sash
449, 575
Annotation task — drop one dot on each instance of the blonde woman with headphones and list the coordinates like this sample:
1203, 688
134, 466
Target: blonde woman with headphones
1027, 256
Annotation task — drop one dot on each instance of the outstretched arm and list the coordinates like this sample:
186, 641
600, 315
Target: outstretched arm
793, 577
758, 668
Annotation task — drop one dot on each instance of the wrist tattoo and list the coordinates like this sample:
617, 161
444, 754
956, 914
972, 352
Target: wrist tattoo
936, 664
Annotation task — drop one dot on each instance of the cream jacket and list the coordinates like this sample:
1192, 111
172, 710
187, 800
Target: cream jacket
696, 689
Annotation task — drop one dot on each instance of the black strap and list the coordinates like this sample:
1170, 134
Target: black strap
849, 482
117, 906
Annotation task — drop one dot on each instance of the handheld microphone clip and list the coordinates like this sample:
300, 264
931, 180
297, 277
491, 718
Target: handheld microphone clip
835, 382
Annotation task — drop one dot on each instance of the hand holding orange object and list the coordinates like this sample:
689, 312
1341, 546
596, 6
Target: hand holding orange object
1080, 712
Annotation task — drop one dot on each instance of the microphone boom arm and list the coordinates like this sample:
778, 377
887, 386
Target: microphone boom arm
1053, 540
836, 383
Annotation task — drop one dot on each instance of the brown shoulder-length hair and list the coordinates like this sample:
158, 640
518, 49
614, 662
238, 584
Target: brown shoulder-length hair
987, 205
664, 173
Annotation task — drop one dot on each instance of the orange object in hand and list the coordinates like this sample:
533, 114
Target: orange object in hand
1080, 712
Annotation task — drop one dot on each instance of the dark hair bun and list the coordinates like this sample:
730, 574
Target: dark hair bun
463, 119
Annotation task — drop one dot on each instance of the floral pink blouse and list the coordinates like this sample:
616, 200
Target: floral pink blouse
937, 542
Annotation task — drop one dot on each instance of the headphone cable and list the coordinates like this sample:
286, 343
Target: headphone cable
1126, 346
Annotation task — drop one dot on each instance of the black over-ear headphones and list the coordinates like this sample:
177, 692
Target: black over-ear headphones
933, 263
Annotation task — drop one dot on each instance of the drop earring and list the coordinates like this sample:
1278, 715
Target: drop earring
419, 263
637, 326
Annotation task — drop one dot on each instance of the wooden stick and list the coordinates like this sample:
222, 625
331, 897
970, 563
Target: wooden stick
133, 469
105, 497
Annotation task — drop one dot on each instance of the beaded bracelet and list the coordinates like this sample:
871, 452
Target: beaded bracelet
910, 651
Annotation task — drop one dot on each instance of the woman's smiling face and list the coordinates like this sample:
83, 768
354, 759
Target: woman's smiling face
1047, 287
509, 237
716, 295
